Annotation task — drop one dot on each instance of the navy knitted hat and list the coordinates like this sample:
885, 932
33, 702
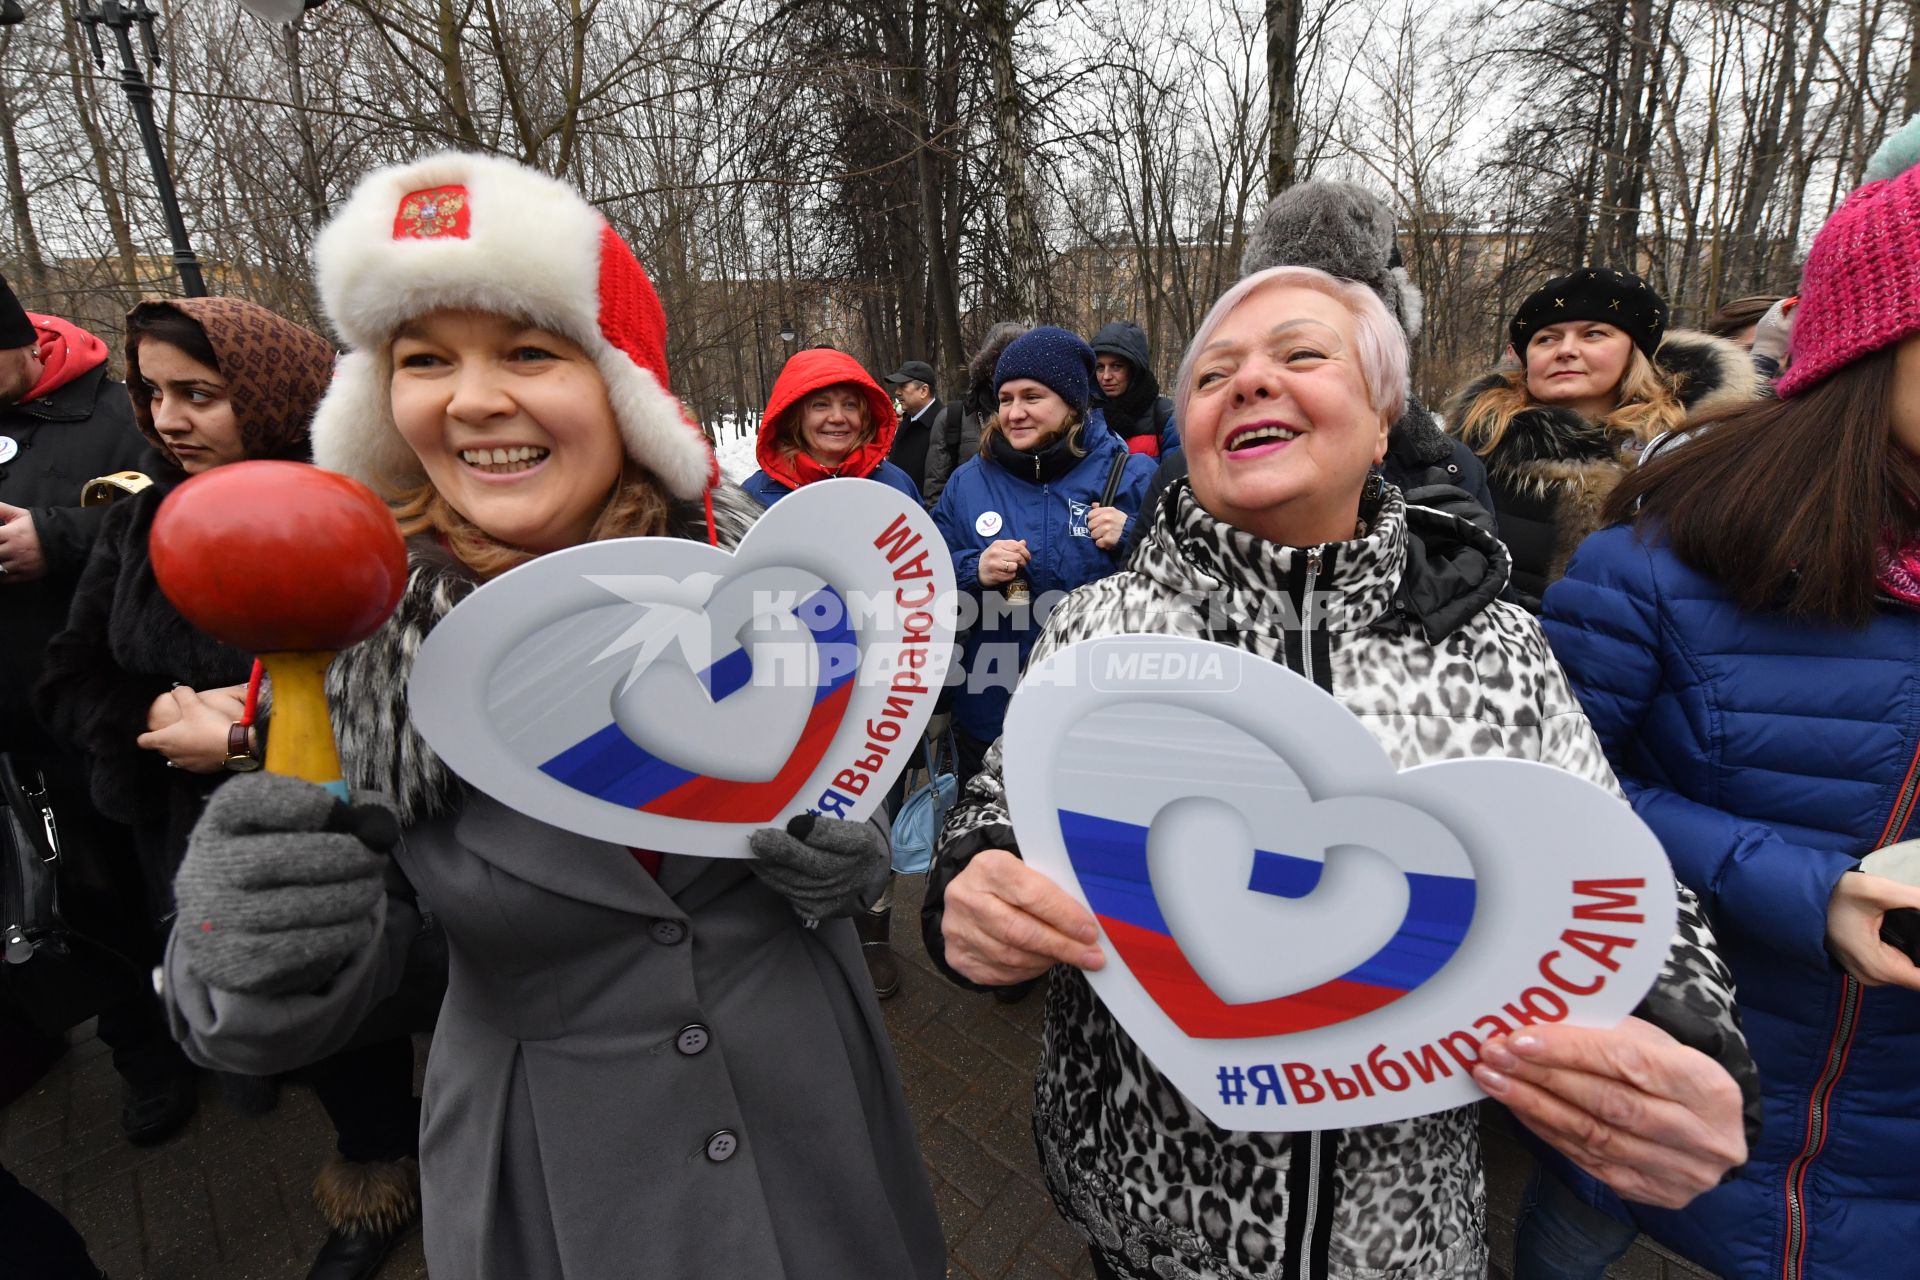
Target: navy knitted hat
1055, 358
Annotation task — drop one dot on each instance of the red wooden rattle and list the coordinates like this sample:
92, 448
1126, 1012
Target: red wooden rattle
289, 562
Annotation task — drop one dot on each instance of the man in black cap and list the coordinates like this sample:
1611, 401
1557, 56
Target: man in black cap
921, 414
63, 422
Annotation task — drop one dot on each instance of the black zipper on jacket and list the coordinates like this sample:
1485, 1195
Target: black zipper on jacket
1794, 1258
1839, 1045
1308, 650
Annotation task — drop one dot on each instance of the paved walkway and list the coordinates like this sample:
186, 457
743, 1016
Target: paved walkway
228, 1199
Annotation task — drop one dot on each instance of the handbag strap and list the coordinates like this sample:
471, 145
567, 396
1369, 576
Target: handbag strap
933, 758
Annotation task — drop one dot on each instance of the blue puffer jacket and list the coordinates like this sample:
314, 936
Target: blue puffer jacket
1769, 756
985, 503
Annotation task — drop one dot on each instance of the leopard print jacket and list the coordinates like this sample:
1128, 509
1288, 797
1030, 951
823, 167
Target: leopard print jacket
1158, 1189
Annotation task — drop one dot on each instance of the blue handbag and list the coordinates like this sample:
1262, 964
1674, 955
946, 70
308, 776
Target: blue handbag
917, 825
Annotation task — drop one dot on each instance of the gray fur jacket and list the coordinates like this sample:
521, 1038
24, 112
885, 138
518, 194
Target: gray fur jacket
1416, 644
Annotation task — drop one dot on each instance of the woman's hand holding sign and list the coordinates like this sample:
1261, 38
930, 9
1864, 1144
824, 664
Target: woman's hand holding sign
1006, 923
1656, 1121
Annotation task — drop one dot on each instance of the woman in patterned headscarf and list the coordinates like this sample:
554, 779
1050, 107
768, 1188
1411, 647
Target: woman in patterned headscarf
157, 707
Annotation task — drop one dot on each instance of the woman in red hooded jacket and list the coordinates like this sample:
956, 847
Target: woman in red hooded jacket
827, 419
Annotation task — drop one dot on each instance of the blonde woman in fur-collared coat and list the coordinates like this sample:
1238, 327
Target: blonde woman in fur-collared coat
1597, 375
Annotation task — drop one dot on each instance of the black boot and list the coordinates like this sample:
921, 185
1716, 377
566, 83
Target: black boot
875, 929
370, 1206
158, 1106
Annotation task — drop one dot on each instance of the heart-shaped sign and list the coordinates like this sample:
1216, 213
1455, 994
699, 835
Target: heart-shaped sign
669, 695
1299, 935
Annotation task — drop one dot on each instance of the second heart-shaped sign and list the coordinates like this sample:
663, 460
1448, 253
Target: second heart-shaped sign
669, 695
1298, 935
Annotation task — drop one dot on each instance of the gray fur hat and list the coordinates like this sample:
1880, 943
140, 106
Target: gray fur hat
1344, 230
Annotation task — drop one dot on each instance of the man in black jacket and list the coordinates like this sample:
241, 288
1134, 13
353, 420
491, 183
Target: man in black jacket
1129, 393
920, 416
63, 422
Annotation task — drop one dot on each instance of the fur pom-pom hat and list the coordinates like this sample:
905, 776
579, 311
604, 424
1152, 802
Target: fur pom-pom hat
1344, 230
474, 232
1860, 291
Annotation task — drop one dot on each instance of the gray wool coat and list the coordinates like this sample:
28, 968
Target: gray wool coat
630, 1076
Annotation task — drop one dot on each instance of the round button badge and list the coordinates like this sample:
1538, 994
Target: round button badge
988, 524
8, 448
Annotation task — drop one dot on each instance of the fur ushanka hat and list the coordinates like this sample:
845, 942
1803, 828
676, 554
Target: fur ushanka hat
1344, 230
481, 233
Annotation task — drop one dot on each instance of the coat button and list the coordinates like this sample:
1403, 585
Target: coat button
693, 1038
722, 1145
668, 932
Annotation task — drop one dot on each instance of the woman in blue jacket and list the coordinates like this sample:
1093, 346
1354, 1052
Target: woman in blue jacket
1043, 509
1748, 649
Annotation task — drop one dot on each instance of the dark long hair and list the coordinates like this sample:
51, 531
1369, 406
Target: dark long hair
1788, 503
175, 328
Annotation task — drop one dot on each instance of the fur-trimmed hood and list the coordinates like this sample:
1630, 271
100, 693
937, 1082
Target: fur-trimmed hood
380, 751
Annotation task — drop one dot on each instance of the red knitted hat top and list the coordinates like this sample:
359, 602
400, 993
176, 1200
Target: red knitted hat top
1860, 292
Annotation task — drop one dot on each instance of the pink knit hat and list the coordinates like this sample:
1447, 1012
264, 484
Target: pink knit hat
1860, 292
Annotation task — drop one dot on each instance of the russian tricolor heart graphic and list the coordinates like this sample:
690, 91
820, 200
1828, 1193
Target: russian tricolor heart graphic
668, 695
1278, 903
1113, 861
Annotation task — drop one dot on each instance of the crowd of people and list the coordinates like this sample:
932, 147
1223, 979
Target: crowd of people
1683, 565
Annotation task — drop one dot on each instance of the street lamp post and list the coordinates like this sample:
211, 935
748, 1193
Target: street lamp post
119, 17
288, 13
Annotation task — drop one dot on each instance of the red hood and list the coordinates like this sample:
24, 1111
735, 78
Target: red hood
803, 375
66, 352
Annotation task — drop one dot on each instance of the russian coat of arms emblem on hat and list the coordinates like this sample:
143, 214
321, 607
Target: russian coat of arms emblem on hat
434, 214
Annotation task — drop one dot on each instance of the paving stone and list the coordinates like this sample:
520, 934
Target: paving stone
964, 1163
108, 1216
1059, 1244
993, 1243
22, 1144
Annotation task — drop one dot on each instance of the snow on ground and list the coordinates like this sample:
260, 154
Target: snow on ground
734, 444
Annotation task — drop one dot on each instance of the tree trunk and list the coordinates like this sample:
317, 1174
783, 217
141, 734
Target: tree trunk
453, 66
1913, 57
1283, 92
1026, 271
17, 186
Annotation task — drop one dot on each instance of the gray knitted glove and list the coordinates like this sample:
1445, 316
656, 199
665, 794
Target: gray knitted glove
825, 867
279, 884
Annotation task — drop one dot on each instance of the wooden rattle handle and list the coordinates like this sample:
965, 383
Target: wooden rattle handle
300, 740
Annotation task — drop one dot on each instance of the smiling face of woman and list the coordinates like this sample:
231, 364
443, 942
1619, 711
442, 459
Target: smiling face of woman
511, 423
1579, 364
834, 421
1032, 414
1278, 426
191, 409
